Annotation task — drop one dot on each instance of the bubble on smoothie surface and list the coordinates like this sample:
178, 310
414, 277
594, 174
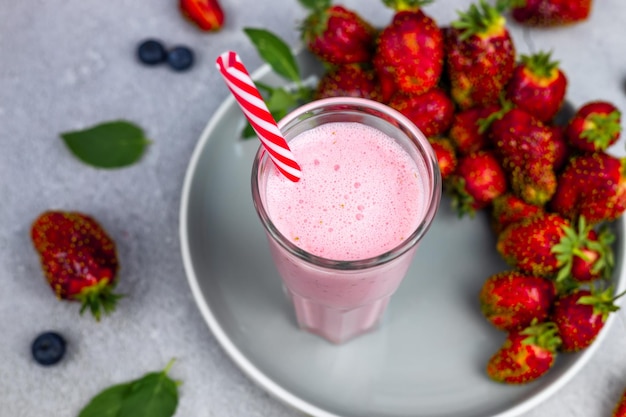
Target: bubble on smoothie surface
370, 202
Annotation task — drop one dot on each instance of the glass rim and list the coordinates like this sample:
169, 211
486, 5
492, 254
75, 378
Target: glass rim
417, 138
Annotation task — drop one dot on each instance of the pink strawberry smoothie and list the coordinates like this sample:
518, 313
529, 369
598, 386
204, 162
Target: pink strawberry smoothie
361, 195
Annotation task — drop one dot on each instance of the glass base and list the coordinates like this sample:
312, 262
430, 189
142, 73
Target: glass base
334, 324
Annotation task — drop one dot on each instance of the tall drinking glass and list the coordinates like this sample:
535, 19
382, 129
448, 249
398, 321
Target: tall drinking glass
344, 236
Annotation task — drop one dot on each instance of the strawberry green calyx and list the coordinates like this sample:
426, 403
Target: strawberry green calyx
606, 261
506, 5
316, 22
540, 64
575, 242
406, 5
545, 335
316, 5
485, 123
462, 201
482, 20
98, 298
314, 25
601, 129
603, 302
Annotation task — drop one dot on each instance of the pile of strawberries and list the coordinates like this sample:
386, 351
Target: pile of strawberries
550, 190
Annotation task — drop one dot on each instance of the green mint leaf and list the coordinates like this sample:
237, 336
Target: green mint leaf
153, 395
275, 52
248, 132
107, 403
305, 94
113, 144
281, 100
264, 87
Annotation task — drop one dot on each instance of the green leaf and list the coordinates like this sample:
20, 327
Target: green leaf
478, 19
275, 52
280, 100
263, 87
107, 403
305, 94
248, 132
153, 395
506, 5
406, 5
315, 5
113, 144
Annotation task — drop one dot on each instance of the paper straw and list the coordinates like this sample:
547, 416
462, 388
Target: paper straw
254, 108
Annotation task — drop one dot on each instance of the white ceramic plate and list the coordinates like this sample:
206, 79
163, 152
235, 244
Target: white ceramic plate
427, 358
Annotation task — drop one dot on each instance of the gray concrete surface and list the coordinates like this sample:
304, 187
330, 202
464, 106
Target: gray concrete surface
66, 65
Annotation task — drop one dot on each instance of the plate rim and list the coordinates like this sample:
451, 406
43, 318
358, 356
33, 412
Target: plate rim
279, 392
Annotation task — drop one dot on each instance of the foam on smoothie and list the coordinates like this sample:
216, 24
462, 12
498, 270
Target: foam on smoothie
360, 194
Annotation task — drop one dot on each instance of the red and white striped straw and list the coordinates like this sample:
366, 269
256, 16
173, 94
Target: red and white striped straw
254, 108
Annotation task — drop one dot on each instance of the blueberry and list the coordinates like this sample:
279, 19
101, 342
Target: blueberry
180, 58
48, 348
151, 52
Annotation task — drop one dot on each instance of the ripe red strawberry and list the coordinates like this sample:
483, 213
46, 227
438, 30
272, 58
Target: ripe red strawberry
525, 355
562, 149
548, 245
206, 14
592, 185
465, 131
527, 245
431, 112
386, 79
551, 12
594, 127
446, 157
581, 315
350, 80
511, 300
508, 208
480, 56
538, 86
78, 258
620, 407
410, 49
583, 254
528, 155
478, 179
336, 34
